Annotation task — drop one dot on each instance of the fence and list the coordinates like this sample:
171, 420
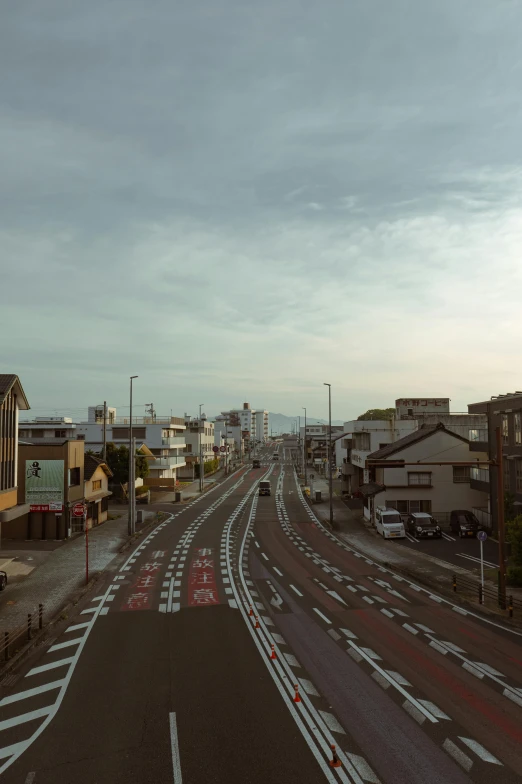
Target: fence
487, 595
13, 639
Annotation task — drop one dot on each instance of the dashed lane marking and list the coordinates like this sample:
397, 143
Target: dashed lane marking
23, 695
480, 751
327, 620
331, 722
457, 754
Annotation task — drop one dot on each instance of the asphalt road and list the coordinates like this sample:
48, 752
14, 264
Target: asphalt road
167, 677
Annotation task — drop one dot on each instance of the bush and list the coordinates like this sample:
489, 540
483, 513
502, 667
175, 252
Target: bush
142, 490
514, 575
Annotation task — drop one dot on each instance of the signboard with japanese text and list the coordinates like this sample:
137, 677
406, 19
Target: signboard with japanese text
44, 483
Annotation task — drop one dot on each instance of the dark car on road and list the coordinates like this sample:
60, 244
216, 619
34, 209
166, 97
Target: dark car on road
264, 487
3, 580
464, 523
423, 526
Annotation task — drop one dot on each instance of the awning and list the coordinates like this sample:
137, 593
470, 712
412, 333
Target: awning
15, 511
92, 499
371, 489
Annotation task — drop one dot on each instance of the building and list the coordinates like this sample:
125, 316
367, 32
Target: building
504, 412
56, 428
261, 425
436, 489
164, 437
96, 491
50, 482
253, 423
12, 401
430, 411
199, 439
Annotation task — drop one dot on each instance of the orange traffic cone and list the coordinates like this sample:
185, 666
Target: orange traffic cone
335, 762
273, 654
257, 626
297, 698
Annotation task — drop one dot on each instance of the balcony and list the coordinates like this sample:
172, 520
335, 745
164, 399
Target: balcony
173, 441
479, 478
479, 439
164, 463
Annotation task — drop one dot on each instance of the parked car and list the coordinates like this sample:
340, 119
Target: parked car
423, 526
389, 523
3, 580
464, 523
264, 487
275, 456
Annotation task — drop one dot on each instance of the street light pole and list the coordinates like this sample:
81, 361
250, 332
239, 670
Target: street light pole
330, 450
201, 466
298, 439
131, 484
501, 526
304, 450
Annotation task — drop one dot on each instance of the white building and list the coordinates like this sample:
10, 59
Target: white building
430, 411
199, 440
163, 436
47, 427
426, 488
260, 425
253, 423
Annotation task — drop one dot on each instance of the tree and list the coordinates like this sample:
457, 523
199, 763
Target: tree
118, 462
377, 413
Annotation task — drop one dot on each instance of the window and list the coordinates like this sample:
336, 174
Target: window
80, 437
60, 433
479, 474
400, 506
419, 478
74, 477
461, 474
24, 434
519, 475
505, 429
96, 484
518, 427
38, 433
409, 507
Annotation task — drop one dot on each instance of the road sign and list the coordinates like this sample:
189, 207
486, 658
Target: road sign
222, 449
78, 510
215, 449
482, 536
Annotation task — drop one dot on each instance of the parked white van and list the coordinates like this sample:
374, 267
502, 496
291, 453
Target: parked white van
389, 523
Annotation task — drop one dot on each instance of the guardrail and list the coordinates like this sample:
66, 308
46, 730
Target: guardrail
487, 594
12, 639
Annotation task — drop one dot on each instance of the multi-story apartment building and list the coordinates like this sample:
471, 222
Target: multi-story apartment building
163, 436
432, 411
12, 400
253, 424
56, 428
504, 412
199, 441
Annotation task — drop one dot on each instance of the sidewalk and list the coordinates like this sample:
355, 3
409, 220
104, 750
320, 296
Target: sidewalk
191, 491
57, 572
358, 532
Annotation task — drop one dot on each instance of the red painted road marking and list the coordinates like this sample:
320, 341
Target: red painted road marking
454, 686
202, 579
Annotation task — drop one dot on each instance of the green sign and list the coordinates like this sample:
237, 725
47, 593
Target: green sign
44, 481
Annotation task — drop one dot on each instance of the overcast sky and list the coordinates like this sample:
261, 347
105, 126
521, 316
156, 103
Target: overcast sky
238, 201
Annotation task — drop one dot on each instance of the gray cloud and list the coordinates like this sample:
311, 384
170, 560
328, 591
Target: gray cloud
236, 200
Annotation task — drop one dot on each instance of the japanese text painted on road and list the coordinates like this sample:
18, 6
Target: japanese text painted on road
141, 592
202, 579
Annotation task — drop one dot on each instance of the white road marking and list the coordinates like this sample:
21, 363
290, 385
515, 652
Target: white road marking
387, 612
308, 687
477, 560
88, 611
473, 670
256, 543
228, 591
68, 644
362, 588
296, 591
163, 608
22, 695
439, 648
513, 695
278, 572
367, 599
333, 634
349, 634
424, 628
77, 626
321, 615
232, 603
480, 751
379, 678
278, 639
51, 666
174, 748
399, 612
176, 606
169, 602
434, 709
459, 610
414, 712
351, 588
448, 537
363, 769
488, 669
452, 646
265, 556
331, 722
30, 777
336, 596
292, 661
369, 652
164, 595
25, 717
409, 628
400, 679
457, 754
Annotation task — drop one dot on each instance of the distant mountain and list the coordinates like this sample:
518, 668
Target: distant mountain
280, 423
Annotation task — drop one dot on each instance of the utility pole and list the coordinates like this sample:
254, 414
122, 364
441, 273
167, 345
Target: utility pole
104, 451
501, 527
304, 450
131, 486
330, 489
201, 465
